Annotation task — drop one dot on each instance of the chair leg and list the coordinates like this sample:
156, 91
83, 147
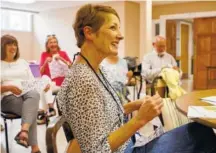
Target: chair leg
47, 120
6, 135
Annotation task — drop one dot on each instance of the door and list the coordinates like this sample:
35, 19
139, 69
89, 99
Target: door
184, 49
204, 52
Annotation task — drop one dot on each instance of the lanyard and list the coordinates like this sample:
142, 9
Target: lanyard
106, 81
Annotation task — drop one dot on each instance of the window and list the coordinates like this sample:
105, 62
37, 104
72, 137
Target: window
16, 20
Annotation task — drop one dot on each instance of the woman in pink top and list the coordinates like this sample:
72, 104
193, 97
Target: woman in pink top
52, 48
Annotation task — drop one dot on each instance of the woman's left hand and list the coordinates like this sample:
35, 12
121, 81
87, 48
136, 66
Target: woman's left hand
57, 57
132, 82
129, 74
135, 105
47, 88
139, 102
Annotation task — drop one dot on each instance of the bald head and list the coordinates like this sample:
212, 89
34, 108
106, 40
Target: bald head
160, 44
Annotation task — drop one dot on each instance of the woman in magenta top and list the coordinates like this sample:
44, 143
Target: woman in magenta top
52, 48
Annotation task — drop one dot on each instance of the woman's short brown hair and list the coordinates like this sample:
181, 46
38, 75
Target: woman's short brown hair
6, 40
49, 37
90, 15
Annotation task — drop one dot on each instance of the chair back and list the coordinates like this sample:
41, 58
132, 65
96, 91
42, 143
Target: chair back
51, 132
158, 85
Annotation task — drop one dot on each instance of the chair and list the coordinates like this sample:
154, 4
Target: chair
158, 85
42, 112
170, 116
6, 116
51, 132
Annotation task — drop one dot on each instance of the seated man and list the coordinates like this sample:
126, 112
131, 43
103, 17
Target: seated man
153, 62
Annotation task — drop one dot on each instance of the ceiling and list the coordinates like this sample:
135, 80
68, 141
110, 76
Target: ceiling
39, 5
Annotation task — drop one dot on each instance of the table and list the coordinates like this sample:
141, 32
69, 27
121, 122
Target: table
193, 99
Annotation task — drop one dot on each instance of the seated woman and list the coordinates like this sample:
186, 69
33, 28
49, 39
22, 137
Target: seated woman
13, 71
53, 49
92, 107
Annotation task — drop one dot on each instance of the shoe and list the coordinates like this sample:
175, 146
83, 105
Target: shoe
51, 112
21, 140
41, 119
40, 112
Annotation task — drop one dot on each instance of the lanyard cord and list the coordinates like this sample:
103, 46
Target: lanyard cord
106, 81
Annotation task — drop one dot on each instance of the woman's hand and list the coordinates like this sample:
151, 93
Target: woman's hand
15, 90
149, 109
48, 60
57, 57
47, 88
139, 102
132, 81
134, 105
129, 74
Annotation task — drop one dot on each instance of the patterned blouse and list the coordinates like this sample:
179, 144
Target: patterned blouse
90, 109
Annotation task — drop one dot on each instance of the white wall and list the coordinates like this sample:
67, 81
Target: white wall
60, 22
132, 29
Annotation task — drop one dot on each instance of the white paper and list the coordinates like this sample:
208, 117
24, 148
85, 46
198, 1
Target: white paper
202, 112
211, 100
36, 84
57, 69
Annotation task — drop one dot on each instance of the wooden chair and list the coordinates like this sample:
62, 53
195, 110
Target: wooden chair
158, 85
51, 132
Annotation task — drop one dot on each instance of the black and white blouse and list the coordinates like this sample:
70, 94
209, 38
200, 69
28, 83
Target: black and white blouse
90, 109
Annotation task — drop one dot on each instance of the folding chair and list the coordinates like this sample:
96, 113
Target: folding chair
51, 132
170, 116
8, 116
158, 85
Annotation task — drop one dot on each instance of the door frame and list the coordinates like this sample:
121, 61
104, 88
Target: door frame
190, 45
192, 15
164, 18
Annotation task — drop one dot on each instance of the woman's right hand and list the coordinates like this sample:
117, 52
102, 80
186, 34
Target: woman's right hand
48, 60
15, 90
149, 109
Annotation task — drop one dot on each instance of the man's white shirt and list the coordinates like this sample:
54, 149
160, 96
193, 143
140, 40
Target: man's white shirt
152, 64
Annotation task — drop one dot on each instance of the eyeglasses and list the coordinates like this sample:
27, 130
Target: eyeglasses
53, 35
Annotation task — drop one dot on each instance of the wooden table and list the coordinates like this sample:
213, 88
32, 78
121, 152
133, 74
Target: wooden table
193, 99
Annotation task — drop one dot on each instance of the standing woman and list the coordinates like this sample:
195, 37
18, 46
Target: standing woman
118, 75
93, 109
13, 71
52, 49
